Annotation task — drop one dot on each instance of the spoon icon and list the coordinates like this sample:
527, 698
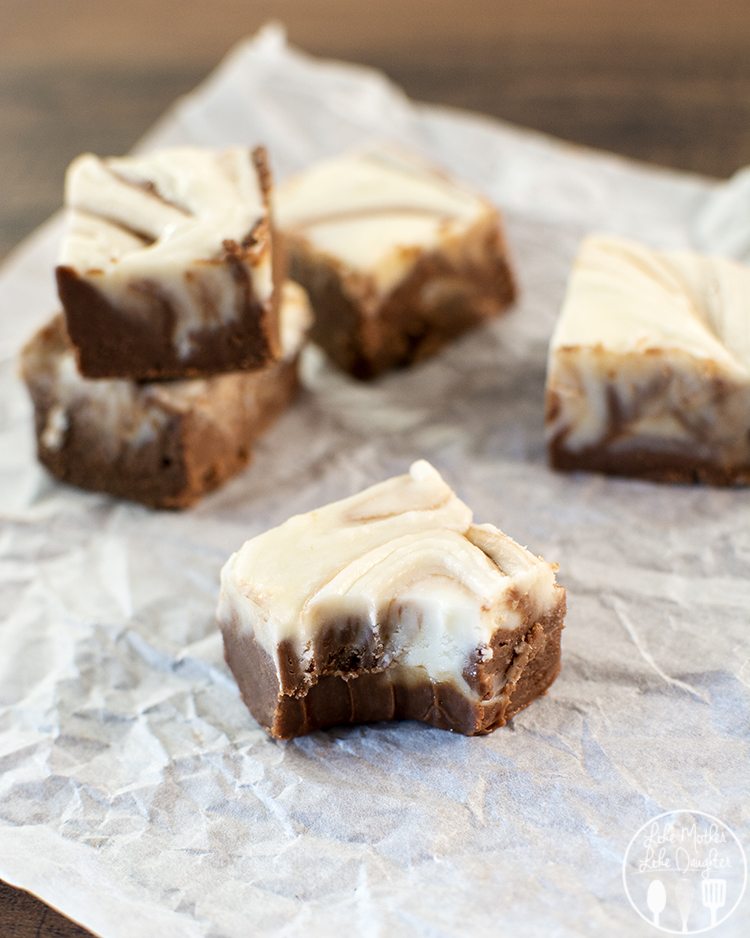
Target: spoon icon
656, 899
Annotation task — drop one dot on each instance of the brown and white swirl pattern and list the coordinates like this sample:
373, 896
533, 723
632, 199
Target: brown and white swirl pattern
161, 223
649, 365
375, 211
399, 574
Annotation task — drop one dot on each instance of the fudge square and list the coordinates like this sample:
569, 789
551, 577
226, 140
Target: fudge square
163, 443
649, 366
391, 604
398, 259
167, 267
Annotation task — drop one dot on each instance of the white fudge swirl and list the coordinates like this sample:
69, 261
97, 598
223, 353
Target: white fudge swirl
376, 211
161, 220
661, 336
131, 414
404, 552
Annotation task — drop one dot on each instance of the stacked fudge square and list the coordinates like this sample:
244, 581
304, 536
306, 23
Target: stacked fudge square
179, 339
180, 335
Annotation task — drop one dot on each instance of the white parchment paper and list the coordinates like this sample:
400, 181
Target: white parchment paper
138, 795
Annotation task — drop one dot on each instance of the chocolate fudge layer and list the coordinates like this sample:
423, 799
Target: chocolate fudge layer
391, 604
163, 443
649, 366
167, 266
397, 258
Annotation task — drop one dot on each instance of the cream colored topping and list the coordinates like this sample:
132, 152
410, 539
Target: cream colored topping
184, 201
376, 211
160, 220
627, 298
404, 552
656, 330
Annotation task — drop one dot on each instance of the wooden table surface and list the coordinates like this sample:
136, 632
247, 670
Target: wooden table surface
667, 81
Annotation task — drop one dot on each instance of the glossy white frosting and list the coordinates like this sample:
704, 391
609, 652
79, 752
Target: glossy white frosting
405, 552
375, 211
161, 219
635, 320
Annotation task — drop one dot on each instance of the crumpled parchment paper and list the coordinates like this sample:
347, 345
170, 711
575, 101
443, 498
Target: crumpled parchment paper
138, 796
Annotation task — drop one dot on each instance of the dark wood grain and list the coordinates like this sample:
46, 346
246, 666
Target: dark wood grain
23, 916
667, 81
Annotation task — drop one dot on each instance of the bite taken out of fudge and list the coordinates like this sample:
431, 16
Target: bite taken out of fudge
391, 604
649, 366
398, 258
169, 264
162, 443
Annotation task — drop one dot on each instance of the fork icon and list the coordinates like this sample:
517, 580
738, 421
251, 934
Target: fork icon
713, 896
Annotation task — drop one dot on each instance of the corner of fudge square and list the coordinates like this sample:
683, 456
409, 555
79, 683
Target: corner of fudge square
166, 268
163, 443
398, 258
391, 604
649, 366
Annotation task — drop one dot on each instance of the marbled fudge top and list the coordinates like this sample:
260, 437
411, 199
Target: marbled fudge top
160, 222
625, 298
405, 552
375, 211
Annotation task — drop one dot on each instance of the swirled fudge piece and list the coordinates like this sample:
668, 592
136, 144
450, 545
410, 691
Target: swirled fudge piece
163, 443
398, 259
167, 267
391, 604
649, 366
